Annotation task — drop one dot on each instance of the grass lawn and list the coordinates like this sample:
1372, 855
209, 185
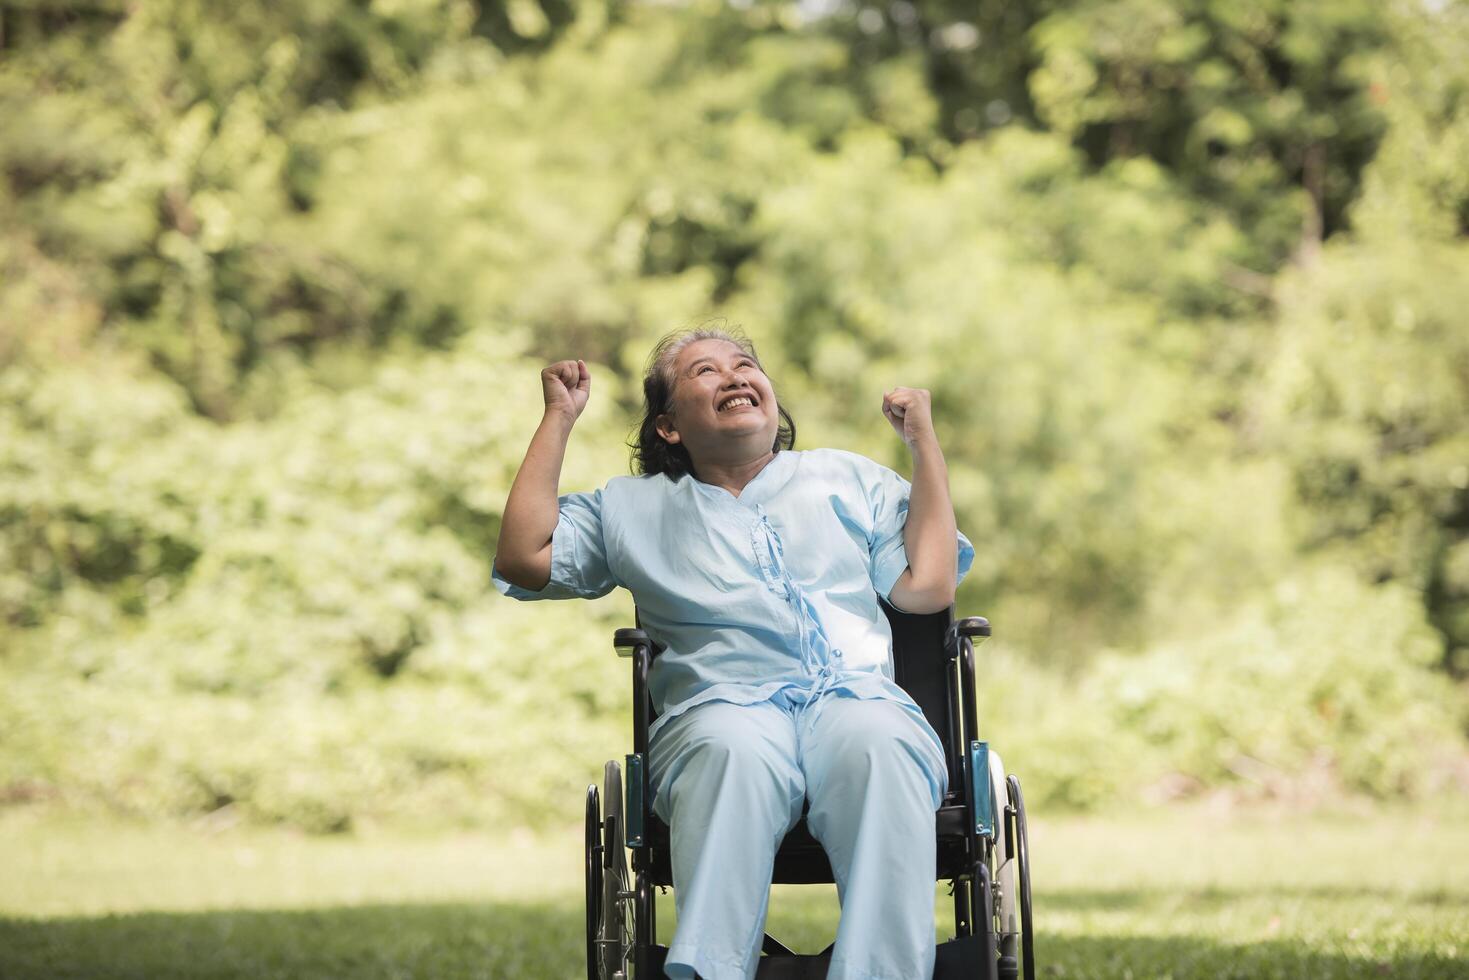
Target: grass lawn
1174, 893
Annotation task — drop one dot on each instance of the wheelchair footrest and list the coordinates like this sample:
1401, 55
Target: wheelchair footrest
961, 959
957, 959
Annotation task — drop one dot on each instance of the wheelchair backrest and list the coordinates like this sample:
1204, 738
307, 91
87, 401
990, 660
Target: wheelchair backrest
920, 664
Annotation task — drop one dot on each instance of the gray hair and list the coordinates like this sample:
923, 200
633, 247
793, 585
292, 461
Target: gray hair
651, 454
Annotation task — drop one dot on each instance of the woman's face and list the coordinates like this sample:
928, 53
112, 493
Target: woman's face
722, 405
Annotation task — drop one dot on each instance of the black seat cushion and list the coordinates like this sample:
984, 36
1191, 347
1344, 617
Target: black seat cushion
802, 861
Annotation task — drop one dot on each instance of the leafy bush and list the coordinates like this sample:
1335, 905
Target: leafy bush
1323, 685
276, 283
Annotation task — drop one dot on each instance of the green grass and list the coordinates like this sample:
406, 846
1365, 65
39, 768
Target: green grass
1165, 894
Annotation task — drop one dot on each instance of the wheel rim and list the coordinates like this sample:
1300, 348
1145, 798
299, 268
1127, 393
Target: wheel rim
615, 925
1001, 855
1022, 873
594, 878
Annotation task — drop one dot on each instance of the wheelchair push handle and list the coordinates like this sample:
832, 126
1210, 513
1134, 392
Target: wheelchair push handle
628, 639
972, 626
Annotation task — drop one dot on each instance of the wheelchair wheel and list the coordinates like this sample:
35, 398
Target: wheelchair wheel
1001, 864
594, 878
615, 926
1020, 847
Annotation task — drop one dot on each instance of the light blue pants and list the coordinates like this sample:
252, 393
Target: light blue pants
730, 781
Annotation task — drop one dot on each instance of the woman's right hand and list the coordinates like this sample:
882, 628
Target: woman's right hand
566, 385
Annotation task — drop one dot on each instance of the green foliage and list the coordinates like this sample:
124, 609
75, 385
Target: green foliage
1325, 674
1374, 430
78, 516
295, 605
1248, 103
1366, 393
1322, 685
276, 282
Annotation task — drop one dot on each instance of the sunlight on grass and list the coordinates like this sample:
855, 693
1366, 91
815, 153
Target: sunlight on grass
1162, 894
71, 866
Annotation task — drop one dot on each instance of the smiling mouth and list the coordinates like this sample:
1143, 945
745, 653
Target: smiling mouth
740, 402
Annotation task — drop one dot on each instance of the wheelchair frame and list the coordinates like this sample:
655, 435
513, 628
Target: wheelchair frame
981, 827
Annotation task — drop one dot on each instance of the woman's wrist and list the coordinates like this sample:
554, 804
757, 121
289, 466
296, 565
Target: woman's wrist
558, 422
926, 449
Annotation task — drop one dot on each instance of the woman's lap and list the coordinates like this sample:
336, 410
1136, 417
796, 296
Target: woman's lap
804, 748
731, 780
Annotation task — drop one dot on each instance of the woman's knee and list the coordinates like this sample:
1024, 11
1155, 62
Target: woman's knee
877, 745
721, 746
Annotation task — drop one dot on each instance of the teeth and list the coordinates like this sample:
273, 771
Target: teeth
733, 402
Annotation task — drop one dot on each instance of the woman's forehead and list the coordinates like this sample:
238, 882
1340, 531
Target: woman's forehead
720, 350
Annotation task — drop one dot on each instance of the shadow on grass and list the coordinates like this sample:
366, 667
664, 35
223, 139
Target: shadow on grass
546, 942
1144, 958
1212, 898
445, 942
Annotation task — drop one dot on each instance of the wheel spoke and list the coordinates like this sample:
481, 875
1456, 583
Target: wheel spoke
594, 882
615, 926
1022, 868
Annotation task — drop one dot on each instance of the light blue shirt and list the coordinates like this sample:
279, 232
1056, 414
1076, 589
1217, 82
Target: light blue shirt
776, 589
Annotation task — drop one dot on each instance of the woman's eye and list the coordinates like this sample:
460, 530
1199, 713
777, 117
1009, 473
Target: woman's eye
701, 370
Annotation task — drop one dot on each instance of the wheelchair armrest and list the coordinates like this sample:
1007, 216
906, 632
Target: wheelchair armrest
628, 639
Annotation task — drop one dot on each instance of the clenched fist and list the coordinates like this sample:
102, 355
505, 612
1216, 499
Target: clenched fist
910, 412
566, 385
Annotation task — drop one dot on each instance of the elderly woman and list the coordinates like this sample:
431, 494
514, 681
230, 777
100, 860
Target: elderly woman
758, 568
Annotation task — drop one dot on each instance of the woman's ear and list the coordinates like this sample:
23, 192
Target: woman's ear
664, 425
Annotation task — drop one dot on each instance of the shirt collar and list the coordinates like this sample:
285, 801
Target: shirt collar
762, 485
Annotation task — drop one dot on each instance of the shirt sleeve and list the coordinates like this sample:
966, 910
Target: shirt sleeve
887, 497
579, 567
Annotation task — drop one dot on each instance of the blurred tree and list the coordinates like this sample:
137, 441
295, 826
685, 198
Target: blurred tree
154, 145
1368, 385
1262, 106
275, 282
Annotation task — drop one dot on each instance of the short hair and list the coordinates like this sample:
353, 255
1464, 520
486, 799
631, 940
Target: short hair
651, 453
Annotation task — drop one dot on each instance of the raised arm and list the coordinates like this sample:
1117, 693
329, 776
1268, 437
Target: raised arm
930, 535
523, 555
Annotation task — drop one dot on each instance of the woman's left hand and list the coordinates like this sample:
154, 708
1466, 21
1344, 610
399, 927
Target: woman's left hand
910, 412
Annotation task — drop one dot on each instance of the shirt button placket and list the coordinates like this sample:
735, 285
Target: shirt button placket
791, 594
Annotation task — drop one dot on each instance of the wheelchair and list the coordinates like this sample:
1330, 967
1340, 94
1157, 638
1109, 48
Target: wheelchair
981, 834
